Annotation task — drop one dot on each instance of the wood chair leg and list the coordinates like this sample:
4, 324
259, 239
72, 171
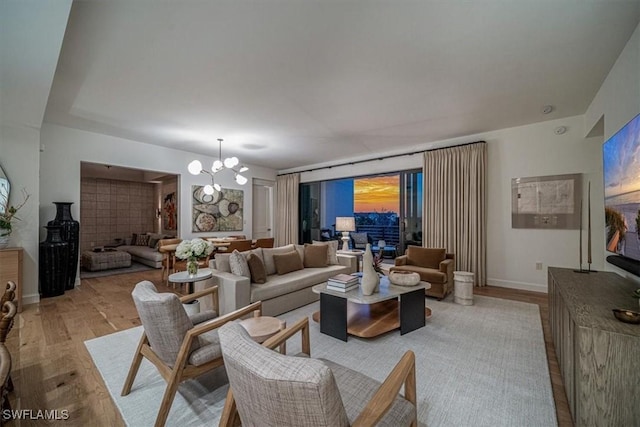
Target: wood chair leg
230, 416
167, 398
135, 365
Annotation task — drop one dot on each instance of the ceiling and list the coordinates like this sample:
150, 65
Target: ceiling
291, 83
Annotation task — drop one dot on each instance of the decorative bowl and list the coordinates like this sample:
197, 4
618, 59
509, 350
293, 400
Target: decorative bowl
404, 278
627, 316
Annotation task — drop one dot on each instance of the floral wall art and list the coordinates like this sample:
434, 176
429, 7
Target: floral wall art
221, 211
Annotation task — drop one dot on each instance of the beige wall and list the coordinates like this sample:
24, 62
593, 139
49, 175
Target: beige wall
112, 209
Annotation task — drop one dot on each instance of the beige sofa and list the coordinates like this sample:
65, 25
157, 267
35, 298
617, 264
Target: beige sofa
280, 293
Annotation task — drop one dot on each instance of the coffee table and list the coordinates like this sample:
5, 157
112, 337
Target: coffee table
368, 316
189, 279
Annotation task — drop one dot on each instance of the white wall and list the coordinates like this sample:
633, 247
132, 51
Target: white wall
525, 151
65, 148
19, 158
31, 32
618, 101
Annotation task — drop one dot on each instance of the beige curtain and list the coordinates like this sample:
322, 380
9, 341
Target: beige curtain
454, 205
287, 189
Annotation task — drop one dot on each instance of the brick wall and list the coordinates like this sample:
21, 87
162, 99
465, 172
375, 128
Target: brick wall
111, 209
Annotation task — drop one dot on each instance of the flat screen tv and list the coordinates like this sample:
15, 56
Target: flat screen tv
621, 154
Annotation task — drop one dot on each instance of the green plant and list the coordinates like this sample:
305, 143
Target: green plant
9, 215
615, 221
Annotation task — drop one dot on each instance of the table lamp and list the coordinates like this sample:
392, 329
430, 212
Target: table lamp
345, 224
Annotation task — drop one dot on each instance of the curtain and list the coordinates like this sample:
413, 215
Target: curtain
287, 199
455, 207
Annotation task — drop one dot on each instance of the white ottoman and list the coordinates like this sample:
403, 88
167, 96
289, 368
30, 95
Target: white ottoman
463, 287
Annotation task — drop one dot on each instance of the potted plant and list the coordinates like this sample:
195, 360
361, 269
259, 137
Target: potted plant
6, 219
191, 250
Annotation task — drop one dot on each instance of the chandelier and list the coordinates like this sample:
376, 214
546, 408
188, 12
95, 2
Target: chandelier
231, 163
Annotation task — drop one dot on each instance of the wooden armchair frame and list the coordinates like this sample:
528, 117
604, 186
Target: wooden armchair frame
181, 369
403, 374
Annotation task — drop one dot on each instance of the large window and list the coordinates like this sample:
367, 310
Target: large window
387, 207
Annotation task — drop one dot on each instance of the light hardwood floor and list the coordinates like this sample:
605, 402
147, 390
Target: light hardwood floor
53, 370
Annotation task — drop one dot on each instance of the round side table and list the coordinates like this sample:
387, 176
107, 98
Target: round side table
261, 328
189, 279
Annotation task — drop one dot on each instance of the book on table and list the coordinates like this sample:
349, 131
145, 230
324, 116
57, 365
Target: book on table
343, 278
342, 289
341, 284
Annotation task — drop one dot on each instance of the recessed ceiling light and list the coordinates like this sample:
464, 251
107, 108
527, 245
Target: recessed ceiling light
560, 130
547, 109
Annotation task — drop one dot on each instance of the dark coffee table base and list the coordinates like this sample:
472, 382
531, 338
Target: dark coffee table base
341, 317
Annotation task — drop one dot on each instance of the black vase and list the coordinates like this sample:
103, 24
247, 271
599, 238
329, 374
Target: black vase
54, 263
70, 233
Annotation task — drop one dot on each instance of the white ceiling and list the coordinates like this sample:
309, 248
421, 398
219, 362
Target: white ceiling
289, 83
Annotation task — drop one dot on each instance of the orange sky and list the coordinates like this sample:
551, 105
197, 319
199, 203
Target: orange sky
378, 194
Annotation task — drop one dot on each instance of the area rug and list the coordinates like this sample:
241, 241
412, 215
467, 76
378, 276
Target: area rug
481, 365
135, 267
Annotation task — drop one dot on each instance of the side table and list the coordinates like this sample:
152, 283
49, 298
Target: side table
261, 328
189, 279
353, 252
463, 287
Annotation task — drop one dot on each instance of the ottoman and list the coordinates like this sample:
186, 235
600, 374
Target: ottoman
96, 261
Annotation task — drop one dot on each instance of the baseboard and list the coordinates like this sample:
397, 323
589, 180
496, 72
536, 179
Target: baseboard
30, 299
534, 287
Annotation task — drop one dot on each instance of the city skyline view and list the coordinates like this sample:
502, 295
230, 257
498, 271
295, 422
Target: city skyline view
377, 194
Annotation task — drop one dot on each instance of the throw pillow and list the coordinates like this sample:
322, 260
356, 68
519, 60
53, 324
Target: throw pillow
238, 264
222, 262
267, 256
332, 253
142, 240
287, 262
315, 256
256, 267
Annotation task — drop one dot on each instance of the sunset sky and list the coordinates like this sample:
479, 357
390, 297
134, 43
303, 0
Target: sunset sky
378, 194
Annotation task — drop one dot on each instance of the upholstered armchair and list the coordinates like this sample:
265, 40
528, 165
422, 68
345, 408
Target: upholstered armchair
268, 388
178, 345
360, 240
434, 266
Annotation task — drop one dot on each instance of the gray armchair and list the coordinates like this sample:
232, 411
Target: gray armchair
180, 346
271, 389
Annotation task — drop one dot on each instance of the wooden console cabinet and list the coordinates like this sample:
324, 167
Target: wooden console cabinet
599, 356
11, 269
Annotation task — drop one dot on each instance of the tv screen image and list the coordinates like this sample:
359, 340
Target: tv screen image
621, 154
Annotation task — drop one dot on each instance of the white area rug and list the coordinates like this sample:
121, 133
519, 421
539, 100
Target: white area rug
481, 365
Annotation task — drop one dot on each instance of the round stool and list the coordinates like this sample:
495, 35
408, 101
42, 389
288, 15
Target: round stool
463, 287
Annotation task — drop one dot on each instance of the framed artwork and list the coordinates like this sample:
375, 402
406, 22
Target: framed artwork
553, 202
221, 211
169, 212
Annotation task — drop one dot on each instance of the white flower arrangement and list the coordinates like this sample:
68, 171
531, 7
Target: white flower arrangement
196, 248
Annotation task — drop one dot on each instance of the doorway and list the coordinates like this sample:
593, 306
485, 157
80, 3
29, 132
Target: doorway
262, 208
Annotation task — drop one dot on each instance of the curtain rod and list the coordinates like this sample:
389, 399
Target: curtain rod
391, 156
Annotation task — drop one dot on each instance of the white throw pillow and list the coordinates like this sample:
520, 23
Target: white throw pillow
332, 253
238, 264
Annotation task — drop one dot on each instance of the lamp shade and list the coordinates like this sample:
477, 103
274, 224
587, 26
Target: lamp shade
345, 223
